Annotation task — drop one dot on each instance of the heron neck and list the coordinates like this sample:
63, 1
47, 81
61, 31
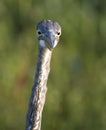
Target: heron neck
39, 89
43, 65
40, 81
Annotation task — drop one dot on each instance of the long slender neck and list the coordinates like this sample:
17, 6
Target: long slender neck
43, 66
38, 95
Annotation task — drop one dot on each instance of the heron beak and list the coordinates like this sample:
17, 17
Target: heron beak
51, 41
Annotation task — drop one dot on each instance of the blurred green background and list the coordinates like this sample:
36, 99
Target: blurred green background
76, 97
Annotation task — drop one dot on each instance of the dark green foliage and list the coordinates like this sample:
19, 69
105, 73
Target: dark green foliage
76, 98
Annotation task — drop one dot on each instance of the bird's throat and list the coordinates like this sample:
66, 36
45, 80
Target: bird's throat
39, 87
43, 64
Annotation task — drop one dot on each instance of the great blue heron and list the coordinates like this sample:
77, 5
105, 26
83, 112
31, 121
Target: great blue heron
48, 33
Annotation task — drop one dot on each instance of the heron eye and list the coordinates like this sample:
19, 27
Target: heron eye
39, 32
58, 33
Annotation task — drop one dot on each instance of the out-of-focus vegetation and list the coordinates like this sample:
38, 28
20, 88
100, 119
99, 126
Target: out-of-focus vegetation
76, 98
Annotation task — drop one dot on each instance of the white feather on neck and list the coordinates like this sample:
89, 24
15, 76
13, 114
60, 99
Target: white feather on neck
42, 43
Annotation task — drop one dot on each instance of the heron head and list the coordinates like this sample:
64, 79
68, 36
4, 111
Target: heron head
48, 33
